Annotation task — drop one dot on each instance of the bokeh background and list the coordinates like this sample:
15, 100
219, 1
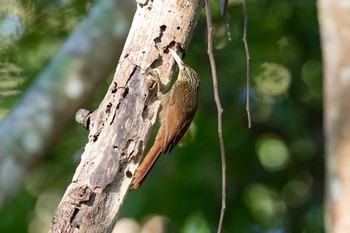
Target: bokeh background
275, 170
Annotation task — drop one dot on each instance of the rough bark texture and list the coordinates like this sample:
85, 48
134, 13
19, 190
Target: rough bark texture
121, 125
334, 18
48, 106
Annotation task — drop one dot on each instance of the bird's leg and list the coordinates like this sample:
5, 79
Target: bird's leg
154, 73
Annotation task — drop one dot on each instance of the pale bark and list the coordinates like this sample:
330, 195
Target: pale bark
120, 127
334, 18
68, 82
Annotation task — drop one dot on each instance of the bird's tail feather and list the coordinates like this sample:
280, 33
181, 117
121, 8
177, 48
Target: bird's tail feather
147, 163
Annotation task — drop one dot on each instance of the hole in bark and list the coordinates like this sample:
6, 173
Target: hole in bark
128, 174
115, 87
157, 62
178, 28
72, 218
126, 92
145, 112
108, 109
159, 38
172, 44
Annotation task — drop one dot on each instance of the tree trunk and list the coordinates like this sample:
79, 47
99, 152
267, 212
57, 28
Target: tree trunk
335, 34
120, 127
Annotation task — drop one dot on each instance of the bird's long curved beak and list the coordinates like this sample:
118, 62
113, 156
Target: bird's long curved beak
177, 58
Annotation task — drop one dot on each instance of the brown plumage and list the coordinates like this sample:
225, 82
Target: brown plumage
179, 106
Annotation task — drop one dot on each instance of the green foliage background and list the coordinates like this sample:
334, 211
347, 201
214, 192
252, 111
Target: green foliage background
275, 169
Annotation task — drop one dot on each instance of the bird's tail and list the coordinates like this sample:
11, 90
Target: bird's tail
148, 162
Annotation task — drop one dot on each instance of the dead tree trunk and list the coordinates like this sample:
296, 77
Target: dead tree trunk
120, 127
335, 31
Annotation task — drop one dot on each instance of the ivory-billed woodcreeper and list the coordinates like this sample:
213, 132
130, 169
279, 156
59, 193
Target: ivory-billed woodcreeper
179, 106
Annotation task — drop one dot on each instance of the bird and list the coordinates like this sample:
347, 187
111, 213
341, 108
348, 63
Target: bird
178, 108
